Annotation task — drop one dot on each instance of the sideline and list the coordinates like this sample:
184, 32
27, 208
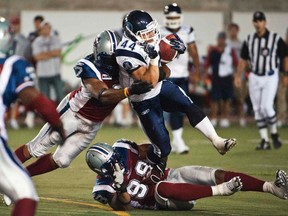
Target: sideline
102, 207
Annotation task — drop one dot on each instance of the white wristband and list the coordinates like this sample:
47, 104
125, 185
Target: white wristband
155, 61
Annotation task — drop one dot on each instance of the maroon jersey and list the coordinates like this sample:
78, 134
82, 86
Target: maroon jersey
142, 195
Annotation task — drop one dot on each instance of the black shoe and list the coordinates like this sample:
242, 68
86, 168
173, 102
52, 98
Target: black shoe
276, 142
264, 145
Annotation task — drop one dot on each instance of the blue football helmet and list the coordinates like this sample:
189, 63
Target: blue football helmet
6, 39
104, 49
101, 158
173, 16
139, 26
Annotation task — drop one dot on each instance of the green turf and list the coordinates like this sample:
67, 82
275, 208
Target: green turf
71, 188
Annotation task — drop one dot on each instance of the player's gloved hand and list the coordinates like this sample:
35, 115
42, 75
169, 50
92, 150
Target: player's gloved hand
118, 176
58, 134
139, 87
178, 44
156, 174
150, 50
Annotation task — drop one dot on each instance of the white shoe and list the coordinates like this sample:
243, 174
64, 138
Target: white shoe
29, 120
279, 187
178, 146
224, 123
224, 145
14, 124
6, 200
230, 187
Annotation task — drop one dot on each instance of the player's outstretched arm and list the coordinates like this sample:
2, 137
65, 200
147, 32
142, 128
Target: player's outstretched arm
34, 100
107, 95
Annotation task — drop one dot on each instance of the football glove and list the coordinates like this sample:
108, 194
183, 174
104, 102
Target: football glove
178, 44
156, 174
119, 184
139, 87
150, 50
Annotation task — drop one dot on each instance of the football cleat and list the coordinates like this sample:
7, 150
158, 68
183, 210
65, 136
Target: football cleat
280, 185
228, 188
224, 145
264, 145
275, 140
6, 200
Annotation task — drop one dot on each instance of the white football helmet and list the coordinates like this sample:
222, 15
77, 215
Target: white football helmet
173, 16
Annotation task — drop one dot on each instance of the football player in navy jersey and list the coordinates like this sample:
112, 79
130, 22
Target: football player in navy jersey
82, 110
16, 81
122, 168
138, 59
179, 68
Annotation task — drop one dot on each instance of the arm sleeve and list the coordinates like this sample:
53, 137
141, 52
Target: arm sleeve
191, 36
245, 51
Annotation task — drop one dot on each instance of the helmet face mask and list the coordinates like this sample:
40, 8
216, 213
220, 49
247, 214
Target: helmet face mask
173, 16
101, 158
139, 26
103, 50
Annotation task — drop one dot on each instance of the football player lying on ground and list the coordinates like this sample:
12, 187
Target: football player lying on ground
121, 171
83, 110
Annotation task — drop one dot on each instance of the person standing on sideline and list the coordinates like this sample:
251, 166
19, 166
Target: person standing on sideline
47, 52
239, 93
179, 68
263, 51
222, 60
282, 95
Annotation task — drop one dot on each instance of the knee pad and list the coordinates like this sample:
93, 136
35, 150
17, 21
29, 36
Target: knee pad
171, 204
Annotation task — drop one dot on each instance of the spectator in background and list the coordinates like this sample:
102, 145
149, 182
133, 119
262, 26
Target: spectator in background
222, 59
30, 116
282, 95
46, 50
37, 25
20, 47
239, 93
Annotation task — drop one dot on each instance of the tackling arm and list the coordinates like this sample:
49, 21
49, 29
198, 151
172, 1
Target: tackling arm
120, 201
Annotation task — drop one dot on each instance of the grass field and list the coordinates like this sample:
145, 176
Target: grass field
68, 191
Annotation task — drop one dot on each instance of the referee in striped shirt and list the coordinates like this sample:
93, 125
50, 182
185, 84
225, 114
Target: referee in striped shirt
262, 51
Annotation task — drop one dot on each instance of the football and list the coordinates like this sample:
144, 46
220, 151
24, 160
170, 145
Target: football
167, 53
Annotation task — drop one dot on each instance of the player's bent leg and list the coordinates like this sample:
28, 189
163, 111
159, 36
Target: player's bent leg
164, 203
76, 142
24, 207
199, 175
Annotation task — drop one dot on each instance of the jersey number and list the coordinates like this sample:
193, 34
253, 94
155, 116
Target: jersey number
131, 46
136, 189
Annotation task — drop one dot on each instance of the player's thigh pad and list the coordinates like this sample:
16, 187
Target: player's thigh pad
164, 203
15, 182
77, 141
41, 143
193, 174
